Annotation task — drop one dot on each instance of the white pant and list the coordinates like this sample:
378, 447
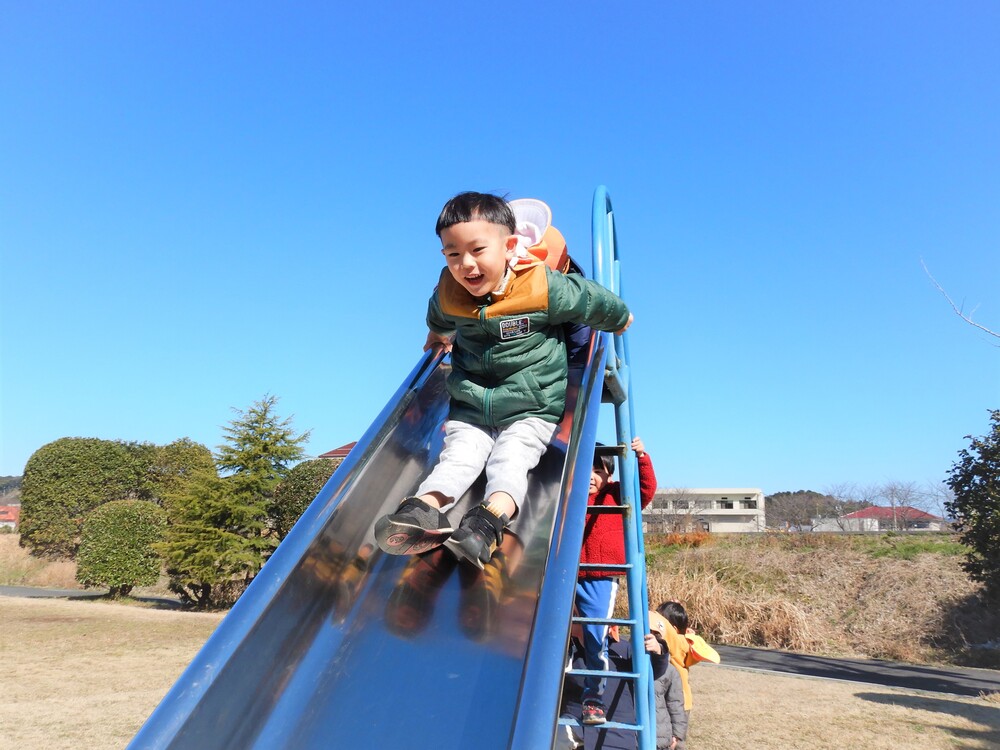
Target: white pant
568, 738
507, 453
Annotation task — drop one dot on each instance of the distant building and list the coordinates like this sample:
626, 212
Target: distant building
9, 516
340, 452
878, 518
712, 510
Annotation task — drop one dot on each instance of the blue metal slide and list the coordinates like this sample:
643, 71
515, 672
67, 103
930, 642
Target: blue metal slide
336, 645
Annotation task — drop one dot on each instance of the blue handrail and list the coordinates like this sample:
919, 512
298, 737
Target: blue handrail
607, 271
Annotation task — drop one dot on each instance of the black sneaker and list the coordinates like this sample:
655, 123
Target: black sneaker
594, 712
481, 596
411, 603
479, 534
415, 527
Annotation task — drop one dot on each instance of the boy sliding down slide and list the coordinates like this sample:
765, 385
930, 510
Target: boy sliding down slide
500, 313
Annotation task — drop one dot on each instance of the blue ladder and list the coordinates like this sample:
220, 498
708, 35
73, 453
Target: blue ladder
618, 391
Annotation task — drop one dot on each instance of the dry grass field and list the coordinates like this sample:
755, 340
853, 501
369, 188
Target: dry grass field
86, 674
873, 596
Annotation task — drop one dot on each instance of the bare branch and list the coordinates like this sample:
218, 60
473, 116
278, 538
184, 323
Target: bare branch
967, 318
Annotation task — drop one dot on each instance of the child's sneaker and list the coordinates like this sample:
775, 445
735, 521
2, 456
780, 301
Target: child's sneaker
411, 603
415, 527
480, 532
594, 712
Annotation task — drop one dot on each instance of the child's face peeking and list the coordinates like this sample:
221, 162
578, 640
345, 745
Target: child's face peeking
599, 478
477, 253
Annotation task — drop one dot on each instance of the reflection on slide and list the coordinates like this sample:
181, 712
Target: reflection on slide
338, 645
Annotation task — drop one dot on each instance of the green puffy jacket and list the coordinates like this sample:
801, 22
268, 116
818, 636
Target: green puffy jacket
508, 358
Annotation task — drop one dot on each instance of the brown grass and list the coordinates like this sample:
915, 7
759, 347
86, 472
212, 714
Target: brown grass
734, 710
18, 568
829, 597
86, 674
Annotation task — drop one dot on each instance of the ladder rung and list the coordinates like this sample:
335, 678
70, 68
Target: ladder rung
603, 673
607, 508
605, 621
610, 450
614, 387
605, 566
565, 721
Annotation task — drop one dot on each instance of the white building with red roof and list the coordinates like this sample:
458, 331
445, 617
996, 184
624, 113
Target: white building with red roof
879, 518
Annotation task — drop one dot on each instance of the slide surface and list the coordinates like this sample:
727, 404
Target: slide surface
337, 645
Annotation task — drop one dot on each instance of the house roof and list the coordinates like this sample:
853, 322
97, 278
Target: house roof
10, 513
340, 452
887, 514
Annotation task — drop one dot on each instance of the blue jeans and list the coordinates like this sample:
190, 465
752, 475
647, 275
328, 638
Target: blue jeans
595, 597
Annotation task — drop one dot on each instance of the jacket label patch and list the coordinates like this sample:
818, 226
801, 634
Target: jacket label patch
513, 328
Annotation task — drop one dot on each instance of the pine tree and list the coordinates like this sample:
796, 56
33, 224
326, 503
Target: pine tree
219, 534
260, 449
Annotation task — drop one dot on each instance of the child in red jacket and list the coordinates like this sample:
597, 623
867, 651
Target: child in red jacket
596, 590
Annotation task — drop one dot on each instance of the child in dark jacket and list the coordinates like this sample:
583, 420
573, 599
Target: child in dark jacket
671, 718
620, 695
604, 543
500, 312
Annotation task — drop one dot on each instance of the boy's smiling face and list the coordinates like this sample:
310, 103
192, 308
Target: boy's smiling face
477, 253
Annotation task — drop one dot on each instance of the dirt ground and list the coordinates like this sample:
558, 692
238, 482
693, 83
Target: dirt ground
86, 674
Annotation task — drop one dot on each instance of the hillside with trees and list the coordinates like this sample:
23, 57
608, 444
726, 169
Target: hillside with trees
10, 490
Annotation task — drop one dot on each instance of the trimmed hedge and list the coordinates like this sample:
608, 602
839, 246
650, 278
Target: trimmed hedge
116, 546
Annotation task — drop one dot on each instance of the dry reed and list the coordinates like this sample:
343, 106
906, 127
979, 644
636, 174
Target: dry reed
19, 568
825, 597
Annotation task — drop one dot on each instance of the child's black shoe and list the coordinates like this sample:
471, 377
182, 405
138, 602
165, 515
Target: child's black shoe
479, 534
415, 527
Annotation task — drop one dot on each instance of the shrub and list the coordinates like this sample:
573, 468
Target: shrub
975, 481
66, 479
116, 546
297, 490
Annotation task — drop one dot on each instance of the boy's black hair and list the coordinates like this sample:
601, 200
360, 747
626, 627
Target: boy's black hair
676, 615
606, 462
470, 206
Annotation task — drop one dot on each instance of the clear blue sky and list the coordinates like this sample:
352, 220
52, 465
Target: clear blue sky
203, 203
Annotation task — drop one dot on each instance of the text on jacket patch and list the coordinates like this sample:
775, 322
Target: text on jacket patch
511, 329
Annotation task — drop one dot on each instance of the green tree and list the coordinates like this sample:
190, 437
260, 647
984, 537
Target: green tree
297, 490
975, 482
218, 535
259, 452
215, 542
260, 448
116, 546
67, 478
796, 510
178, 464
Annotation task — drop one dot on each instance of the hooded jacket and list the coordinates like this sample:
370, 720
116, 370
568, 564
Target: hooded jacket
508, 357
671, 718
